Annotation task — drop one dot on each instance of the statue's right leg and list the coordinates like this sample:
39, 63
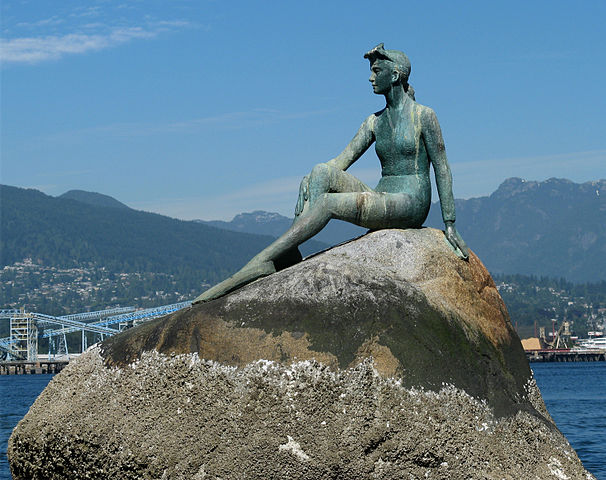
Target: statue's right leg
367, 209
323, 179
244, 276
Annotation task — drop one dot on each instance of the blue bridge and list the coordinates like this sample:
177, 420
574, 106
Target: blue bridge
26, 328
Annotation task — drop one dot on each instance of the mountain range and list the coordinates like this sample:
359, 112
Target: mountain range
554, 228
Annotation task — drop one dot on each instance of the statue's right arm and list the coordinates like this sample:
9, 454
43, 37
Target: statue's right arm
358, 145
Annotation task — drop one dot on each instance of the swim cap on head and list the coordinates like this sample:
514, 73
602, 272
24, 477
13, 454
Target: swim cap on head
396, 57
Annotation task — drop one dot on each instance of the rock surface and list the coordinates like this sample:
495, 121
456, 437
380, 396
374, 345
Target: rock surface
386, 357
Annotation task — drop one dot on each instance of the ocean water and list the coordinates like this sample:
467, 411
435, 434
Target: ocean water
575, 394
17, 392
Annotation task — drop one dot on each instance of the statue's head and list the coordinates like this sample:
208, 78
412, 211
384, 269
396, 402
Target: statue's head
389, 67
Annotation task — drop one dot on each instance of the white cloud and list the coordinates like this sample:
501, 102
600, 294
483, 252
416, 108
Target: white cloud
170, 24
230, 120
93, 11
52, 47
54, 20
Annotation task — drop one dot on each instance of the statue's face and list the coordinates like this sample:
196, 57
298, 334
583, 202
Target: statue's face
382, 76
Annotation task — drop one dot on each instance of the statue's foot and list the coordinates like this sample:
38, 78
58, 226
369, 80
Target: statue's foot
248, 274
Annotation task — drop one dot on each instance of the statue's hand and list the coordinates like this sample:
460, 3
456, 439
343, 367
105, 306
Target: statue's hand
456, 240
303, 195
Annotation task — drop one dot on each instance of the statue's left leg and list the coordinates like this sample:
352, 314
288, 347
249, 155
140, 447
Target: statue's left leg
267, 262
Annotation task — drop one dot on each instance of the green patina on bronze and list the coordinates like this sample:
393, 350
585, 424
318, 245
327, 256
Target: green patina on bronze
407, 140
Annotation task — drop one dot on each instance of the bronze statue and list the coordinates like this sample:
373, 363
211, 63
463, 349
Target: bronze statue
407, 139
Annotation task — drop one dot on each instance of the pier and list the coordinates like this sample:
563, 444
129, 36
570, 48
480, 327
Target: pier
24, 367
566, 355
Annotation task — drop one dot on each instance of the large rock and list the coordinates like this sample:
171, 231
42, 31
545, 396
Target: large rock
386, 357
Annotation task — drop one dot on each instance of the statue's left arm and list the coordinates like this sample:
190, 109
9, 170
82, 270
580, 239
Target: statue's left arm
434, 144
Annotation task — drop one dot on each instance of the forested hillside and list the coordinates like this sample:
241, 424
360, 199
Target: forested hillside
68, 233
93, 198
533, 302
62, 236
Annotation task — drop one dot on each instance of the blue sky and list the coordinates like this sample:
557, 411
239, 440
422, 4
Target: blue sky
204, 109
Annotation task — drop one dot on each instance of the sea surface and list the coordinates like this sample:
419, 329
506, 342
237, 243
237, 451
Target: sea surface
575, 395
17, 393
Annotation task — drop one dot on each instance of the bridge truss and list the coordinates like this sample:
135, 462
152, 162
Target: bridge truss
26, 328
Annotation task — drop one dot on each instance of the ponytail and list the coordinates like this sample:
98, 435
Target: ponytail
410, 91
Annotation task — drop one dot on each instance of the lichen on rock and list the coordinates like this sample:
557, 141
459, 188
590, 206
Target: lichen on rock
175, 416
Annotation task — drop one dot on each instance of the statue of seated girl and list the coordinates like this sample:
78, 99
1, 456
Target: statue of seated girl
407, 140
